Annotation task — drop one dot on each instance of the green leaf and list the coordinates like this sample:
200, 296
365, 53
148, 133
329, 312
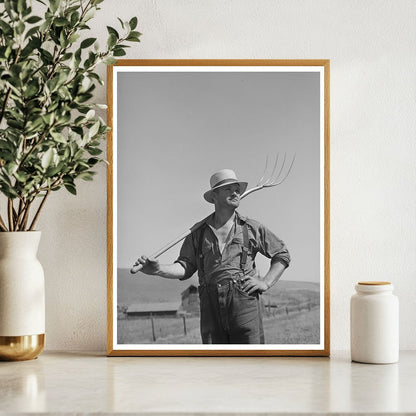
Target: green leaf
20, 28
67, 153
33, 19
90, 114
110, 61
92, 161
31, 32
121, 22
119, 51
54, 4
88, 16
86, 176
94, 151
70, 188
72, 39
46, 56
52, 171
82, 98
48, 118
134, 37
10, 8
133, 23
27, 11
63, 41
21, 176
11, 168
94, 129
58, 137
35, 125
5, 146
112, 31
7, 30
112, 41
47, 158
78, 154
61, 21
21, 6
8, 191
87, 42
31, 90
74, 18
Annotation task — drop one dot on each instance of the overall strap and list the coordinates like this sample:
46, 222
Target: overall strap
199, 254
245, 248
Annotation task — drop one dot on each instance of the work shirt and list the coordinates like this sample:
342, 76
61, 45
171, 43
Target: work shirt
217, 265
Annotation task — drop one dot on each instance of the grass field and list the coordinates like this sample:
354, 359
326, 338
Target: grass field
296, 328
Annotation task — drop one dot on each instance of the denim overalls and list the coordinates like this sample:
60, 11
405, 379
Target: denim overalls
228, 314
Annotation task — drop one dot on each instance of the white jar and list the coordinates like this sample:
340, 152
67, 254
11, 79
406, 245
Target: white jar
374, 323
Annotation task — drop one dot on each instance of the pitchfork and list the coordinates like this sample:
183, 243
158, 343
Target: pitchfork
278, 175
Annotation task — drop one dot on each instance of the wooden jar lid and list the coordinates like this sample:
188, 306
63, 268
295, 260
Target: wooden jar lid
374, 283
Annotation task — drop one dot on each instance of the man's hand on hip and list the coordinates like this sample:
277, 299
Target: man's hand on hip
252, 284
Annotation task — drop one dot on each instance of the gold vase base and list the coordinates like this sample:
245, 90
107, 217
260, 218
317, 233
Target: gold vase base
21, 348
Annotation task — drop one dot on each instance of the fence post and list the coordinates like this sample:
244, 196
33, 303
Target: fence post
184, 324
153, 327
287, 311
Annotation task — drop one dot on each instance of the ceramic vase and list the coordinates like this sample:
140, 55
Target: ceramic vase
22, 296
374, 323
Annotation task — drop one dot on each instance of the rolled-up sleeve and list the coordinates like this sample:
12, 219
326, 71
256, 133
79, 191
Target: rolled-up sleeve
187, 257
272, 247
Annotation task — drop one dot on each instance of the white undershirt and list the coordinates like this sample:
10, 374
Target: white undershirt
223, 231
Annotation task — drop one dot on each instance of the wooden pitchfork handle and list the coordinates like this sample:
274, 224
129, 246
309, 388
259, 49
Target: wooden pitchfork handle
168, 246
277, 177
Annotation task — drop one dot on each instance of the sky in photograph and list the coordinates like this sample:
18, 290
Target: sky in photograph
174, 129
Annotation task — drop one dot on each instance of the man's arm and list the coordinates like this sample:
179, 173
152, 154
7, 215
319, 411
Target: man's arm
153, 267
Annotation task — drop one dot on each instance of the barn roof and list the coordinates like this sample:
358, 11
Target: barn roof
189, 288
154, 307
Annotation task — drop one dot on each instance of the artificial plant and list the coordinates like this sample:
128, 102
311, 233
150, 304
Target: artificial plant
50, 134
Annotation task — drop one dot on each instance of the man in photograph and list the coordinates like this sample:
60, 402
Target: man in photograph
222, 249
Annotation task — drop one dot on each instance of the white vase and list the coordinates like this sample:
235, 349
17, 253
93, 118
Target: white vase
22, 296
374, 323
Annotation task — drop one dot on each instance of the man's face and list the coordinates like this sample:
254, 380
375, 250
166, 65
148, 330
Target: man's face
227, 196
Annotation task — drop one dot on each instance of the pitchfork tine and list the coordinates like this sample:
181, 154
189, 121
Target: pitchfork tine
287, 173
281, 170
270, 177
259, 183
269, 180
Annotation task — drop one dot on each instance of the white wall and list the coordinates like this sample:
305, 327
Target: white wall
371, 45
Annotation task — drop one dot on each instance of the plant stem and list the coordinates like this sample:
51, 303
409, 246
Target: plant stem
26, 216
3, 109
38, 211
10, 213
2, 224
20, 213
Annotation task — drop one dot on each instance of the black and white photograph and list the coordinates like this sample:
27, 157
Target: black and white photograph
218, 208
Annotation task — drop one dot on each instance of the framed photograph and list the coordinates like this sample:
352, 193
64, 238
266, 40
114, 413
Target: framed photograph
218, 208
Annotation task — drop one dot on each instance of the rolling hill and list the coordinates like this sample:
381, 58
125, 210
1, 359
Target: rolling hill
140, 288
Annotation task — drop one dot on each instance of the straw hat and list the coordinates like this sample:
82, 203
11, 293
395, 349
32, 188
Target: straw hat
222, 178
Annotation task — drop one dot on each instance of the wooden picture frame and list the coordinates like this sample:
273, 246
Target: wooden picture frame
175, 122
